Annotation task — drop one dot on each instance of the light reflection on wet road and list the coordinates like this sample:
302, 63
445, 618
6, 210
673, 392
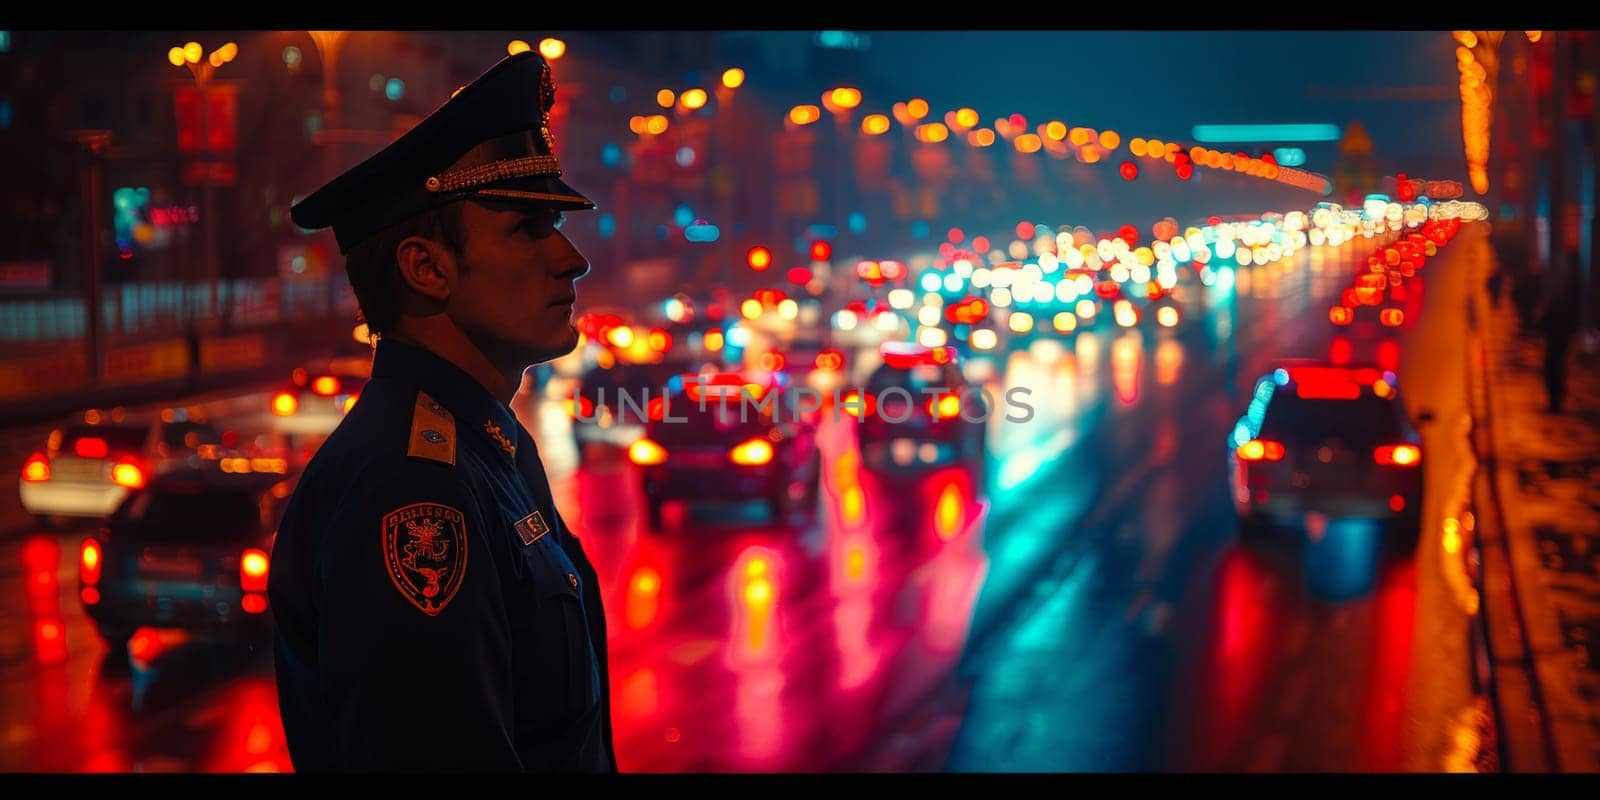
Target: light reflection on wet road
1079, 602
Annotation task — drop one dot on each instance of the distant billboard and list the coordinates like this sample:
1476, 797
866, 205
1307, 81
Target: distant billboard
1304, 132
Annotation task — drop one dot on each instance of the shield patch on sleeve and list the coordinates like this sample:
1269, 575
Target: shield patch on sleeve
425, 553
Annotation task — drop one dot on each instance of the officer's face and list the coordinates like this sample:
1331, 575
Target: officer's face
515, 286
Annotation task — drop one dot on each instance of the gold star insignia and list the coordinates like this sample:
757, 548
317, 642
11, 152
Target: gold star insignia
500, 438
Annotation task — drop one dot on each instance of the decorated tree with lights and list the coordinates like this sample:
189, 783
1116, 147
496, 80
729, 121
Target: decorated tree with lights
1355, 172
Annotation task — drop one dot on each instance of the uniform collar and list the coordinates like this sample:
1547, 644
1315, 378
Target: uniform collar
467, 400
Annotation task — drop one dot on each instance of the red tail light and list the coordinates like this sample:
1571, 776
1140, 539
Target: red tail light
253, 564
658, 408
1317, 387
772, 361
901, 355
91, 447
1398, 455
284, 404
1340, 350
1340, 315
127, 472
860, 406
646, 453
1392, 317
327, 386
579, 405
830, 360
89, 562
945, 407
36, 468
1261, 450
49, 640
751, 453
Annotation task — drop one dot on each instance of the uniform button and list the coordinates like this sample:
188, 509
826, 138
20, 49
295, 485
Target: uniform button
433, 436
433, 407
572, 579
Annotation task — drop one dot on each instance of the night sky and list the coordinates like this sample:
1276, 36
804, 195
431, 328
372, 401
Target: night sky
1161, 83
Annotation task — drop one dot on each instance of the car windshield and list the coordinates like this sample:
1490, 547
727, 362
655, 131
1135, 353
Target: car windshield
117, 439
719, 423
197, 514
1367, 421
189, 434
915, 379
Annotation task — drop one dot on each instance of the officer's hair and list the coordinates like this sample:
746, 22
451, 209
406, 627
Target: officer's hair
374, 271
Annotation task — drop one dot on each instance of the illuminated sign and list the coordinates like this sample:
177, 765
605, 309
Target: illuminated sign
1316, 132
1289, 156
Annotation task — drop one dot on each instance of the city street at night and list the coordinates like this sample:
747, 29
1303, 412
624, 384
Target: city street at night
1182, 416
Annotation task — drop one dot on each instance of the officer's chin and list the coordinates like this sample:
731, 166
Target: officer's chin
563, 340
569, 340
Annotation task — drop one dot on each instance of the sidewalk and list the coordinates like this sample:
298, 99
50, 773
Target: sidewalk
1543, 607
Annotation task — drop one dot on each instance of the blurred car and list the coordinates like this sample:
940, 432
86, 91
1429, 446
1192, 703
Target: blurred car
87, 469
935, 425
823, 369
1327, 439
596, 405
190, 550
857, 326
1162, 308
752, 441
318, 394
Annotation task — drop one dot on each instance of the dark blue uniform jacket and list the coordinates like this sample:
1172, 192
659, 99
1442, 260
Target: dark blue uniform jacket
431, 609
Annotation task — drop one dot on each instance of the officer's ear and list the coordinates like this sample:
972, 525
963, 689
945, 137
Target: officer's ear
427, 267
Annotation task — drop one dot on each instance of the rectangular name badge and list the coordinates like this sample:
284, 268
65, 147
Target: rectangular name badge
532, 528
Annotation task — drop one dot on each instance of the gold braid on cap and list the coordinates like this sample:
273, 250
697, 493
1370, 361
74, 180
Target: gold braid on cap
466, 178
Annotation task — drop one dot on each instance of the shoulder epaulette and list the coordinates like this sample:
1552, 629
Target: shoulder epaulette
433, 431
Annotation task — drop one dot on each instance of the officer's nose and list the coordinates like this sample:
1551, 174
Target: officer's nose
572, 265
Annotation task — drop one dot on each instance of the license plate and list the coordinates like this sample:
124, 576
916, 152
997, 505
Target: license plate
904, 451
159, 566
698, 459
78, 469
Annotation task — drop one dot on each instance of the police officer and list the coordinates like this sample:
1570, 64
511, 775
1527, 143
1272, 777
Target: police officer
431, 609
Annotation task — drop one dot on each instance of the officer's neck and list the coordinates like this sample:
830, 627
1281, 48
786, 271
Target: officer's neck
446, 341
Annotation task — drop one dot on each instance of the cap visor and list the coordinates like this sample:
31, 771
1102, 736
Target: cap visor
541, 190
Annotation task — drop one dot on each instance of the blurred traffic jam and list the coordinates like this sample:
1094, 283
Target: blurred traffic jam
796, 438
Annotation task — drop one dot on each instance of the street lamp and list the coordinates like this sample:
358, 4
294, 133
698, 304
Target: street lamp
841, 101
723, 176
190, 56
328, 43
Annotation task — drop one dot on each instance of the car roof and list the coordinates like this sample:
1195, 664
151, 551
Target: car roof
213, 478
342, 366
1318, 379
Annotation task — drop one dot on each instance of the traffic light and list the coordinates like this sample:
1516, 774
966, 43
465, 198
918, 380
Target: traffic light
1406, 192
759, 258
